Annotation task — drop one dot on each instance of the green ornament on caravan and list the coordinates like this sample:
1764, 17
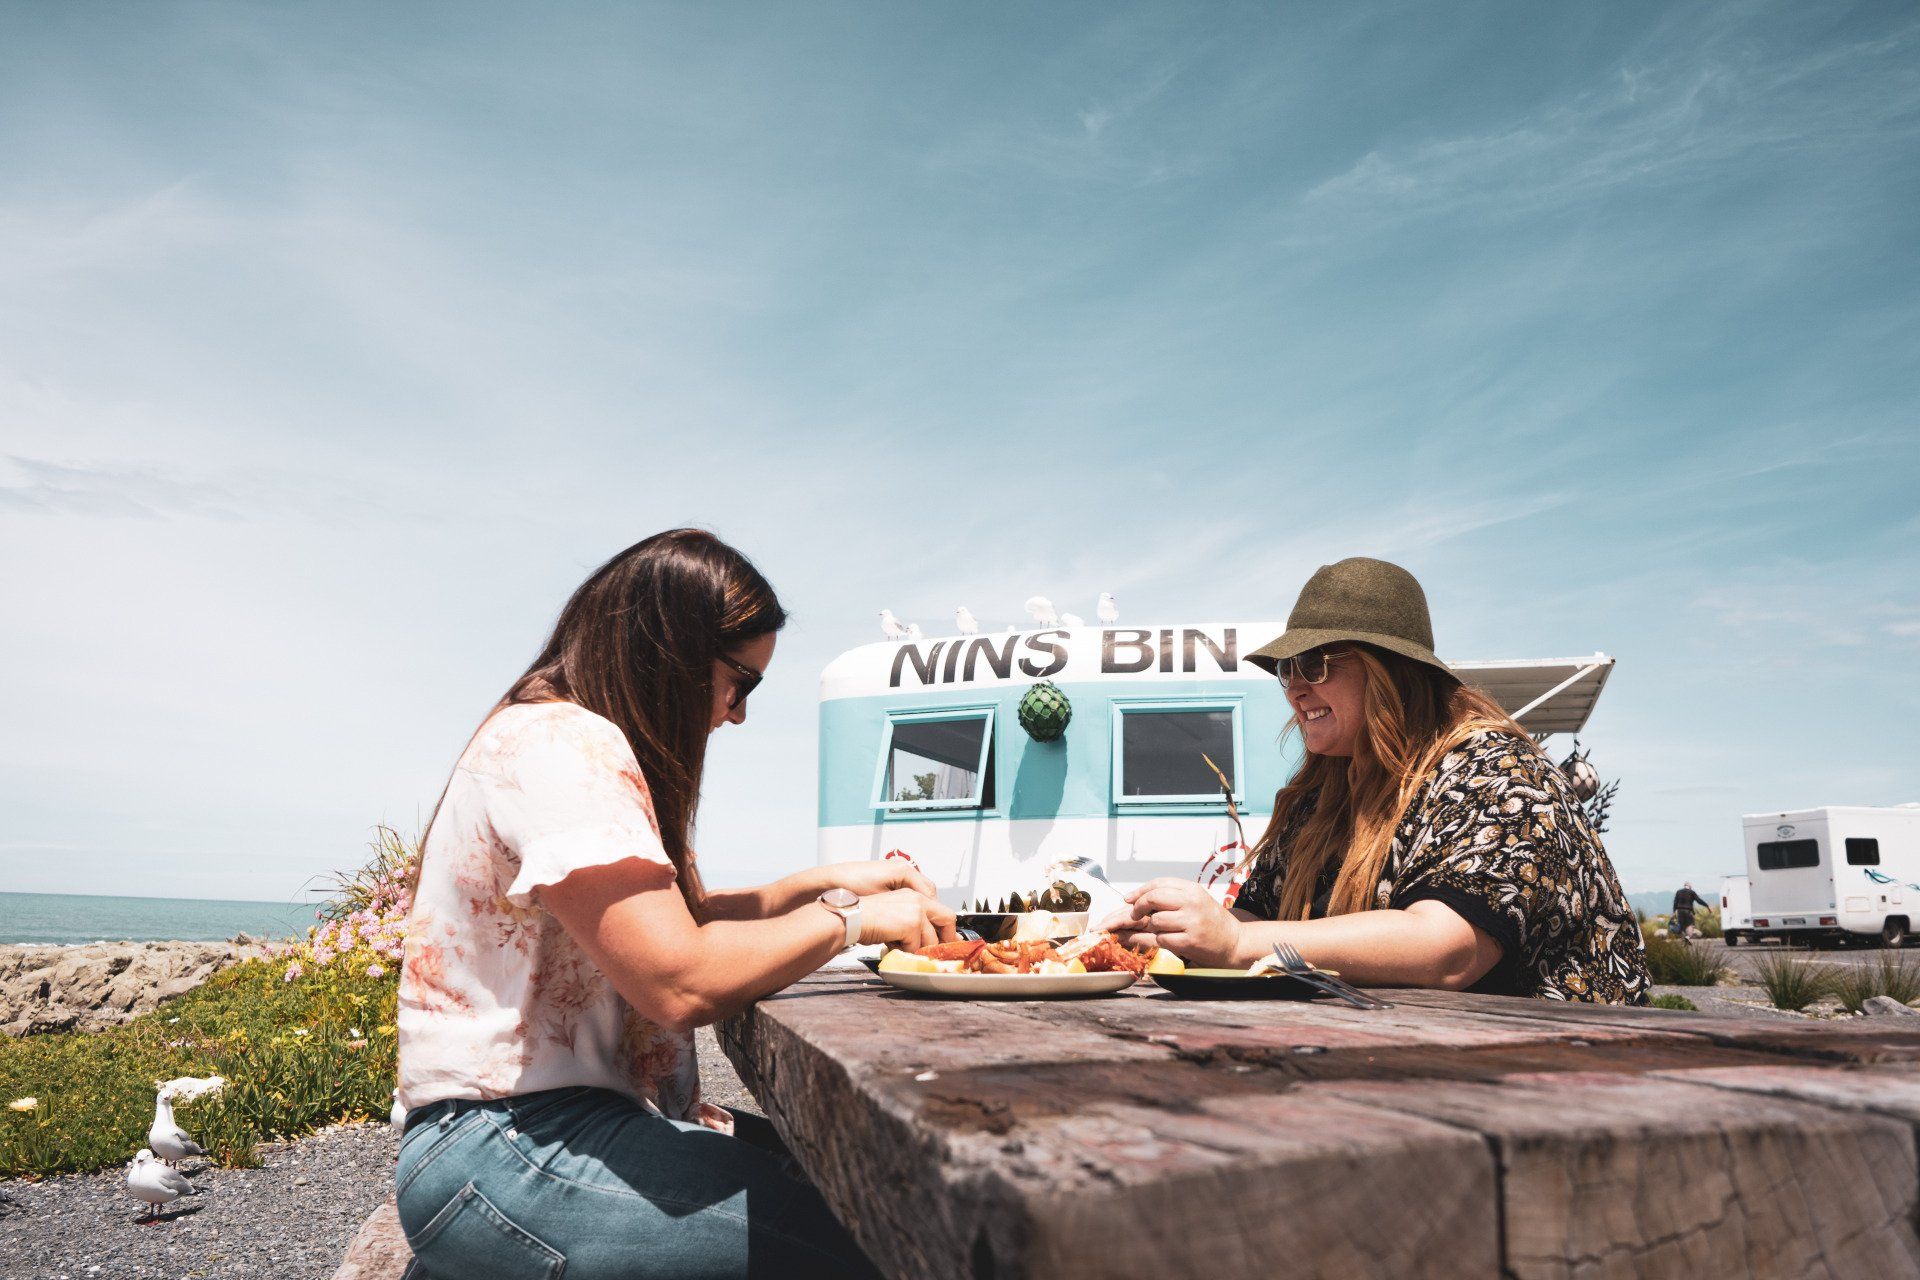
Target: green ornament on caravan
1045, 711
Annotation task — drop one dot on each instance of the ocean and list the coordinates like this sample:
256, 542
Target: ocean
72, 918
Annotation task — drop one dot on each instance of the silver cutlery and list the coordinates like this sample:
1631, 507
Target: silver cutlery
1296, 966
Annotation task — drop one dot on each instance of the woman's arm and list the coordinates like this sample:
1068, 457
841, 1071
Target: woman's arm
1427, 944
762, 902
633, 924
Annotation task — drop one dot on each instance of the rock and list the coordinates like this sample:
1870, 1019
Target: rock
1884, 1005
380, 1251
102, 984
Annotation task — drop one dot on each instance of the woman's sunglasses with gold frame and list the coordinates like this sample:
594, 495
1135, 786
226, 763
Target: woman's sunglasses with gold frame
1311, 667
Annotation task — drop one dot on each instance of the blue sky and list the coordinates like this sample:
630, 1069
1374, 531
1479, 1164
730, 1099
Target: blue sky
338, 342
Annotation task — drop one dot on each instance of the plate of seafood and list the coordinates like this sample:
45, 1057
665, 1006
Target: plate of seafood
1089, 965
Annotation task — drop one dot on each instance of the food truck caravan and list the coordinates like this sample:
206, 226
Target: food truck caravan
988, 760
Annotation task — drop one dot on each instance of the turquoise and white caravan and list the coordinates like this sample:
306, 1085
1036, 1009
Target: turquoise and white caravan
923, 752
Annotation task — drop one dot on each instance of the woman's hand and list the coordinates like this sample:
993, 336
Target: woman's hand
1182, 917
876, 877
906, 916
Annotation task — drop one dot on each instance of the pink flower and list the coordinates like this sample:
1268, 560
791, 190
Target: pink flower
293, 971
376, 971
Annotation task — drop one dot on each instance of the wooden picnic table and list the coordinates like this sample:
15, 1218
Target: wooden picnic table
1453, 1135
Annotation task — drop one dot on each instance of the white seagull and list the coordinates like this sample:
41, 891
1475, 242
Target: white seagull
153, 1182
914, 632
398, 1116
1042, 610
1071, 620
892, 626
168, 1140
963, 619
1109, 611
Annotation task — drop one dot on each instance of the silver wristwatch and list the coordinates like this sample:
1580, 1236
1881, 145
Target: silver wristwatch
844, 903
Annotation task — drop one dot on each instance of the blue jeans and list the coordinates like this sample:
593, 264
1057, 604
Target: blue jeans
590, 1184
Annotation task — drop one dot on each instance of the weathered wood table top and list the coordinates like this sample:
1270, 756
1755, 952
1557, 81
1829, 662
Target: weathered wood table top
1453, 1135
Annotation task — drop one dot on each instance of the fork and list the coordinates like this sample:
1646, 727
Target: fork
1296, 966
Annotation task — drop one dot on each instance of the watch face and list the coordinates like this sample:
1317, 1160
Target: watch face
842, 898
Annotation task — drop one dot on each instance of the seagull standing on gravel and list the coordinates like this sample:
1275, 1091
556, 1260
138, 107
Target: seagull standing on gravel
398, 1116
1109, 611
892, 626
963, 619
1042, 610
168, 1139
153, 1182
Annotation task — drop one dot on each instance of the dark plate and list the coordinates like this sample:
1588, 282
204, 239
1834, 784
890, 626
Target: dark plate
1231, 984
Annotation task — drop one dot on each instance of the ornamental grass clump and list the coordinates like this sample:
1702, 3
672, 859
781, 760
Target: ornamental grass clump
1678, 963
1791, 983
1889, 973
304, 1038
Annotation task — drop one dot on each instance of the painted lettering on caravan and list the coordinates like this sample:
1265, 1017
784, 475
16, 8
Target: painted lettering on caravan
1123, 651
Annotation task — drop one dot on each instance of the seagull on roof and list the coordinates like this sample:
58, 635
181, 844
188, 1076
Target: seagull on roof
914, 632
1042, 610
963, 619
893, 628
1071, 620
1109, 611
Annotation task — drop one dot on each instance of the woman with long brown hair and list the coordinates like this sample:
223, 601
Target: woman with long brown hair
561, 950
1425, 841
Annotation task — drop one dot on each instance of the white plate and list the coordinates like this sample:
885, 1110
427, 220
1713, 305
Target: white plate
1010, 986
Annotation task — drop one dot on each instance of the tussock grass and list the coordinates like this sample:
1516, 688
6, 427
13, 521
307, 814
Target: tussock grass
1679, 963
1675, 1002
1792, 983
1889, 973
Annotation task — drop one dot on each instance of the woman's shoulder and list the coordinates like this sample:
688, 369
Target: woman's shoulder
1495, 753
532, 729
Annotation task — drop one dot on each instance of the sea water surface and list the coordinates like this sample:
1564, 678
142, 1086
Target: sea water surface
74, 918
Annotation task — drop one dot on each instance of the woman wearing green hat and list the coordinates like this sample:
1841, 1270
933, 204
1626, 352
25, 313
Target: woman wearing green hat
1425, 840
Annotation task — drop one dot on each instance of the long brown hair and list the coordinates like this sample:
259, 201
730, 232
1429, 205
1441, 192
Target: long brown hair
1411, 714
636, 643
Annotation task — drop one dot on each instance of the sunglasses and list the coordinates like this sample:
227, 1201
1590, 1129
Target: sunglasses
748, 682
1311, 667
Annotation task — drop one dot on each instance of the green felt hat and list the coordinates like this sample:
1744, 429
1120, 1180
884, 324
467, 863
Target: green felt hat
1358, 599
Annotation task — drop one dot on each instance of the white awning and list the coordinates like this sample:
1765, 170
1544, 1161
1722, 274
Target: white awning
1546, 695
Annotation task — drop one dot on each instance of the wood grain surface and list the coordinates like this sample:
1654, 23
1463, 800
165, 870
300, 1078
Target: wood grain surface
1452, 1135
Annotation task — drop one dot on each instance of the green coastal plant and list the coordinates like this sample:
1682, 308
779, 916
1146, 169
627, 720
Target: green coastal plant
1675, 1002
1792, 983
304, 1038
1889, 973
1679, 963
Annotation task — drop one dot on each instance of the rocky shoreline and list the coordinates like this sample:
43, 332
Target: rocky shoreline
91, 986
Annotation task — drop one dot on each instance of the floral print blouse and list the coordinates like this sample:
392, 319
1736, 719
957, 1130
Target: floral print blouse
496, 998
1496, 834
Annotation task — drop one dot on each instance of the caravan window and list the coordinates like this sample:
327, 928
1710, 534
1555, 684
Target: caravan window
1157, 750
938, 761
1779, 855
1862, 853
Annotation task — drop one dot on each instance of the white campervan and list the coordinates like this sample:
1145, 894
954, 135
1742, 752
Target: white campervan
1736, 909
1835, 873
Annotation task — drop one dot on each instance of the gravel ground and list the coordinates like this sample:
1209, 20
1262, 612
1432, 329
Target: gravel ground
290, 1220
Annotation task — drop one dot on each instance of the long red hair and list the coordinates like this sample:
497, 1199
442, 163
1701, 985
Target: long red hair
1412, 714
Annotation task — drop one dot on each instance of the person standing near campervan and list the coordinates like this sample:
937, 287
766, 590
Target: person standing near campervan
1425, 841
1684, 903
561, 950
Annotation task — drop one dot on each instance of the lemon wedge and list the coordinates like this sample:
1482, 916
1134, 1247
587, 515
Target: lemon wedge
1164, 961
898, 961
